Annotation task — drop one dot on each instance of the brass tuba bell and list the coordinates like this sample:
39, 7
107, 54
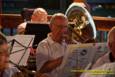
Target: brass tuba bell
81, 24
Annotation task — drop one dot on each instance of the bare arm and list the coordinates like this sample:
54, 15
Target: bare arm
49, 66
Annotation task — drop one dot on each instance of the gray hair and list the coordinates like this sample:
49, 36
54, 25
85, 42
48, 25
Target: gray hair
57, 15
38, 10
111, 35
42, 15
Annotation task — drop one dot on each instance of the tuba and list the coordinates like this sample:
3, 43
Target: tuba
81, 24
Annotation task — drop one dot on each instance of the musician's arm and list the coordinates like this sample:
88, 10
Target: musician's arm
49, 66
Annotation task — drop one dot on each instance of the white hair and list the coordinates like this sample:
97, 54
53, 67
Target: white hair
42, 15
57, 15
39, 10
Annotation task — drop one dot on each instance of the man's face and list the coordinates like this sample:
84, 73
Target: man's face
4, 57
59, 29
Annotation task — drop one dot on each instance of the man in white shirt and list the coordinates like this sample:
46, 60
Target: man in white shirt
106, 62
110, 56
50, 51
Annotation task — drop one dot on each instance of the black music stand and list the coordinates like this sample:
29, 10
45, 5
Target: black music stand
40, 30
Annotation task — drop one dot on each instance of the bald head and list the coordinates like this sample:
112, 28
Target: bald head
111, 35
39, 15
56, 17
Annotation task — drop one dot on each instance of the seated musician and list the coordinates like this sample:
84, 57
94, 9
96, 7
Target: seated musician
106, 63
110, 56
50, 51
5, 69
39, 15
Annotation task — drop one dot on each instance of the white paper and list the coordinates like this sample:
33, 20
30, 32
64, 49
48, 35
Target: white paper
78, 56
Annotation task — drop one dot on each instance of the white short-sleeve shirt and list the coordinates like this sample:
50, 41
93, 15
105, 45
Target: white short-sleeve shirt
102, 60
49, 50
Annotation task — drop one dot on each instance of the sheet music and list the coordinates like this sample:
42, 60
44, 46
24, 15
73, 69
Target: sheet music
20, 48
79, 56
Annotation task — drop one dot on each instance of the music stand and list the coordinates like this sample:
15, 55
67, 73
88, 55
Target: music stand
19, 49
40, 30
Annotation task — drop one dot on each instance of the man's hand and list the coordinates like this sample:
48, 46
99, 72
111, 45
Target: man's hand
50, 65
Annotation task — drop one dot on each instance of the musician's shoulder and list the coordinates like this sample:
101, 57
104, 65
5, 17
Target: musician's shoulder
12, 70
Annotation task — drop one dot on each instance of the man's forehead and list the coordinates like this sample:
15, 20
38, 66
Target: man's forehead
60, 18
63, 20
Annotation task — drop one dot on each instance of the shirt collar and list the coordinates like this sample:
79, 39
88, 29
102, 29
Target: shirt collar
51, 41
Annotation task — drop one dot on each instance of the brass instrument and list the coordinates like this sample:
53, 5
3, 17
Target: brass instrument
81, 24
